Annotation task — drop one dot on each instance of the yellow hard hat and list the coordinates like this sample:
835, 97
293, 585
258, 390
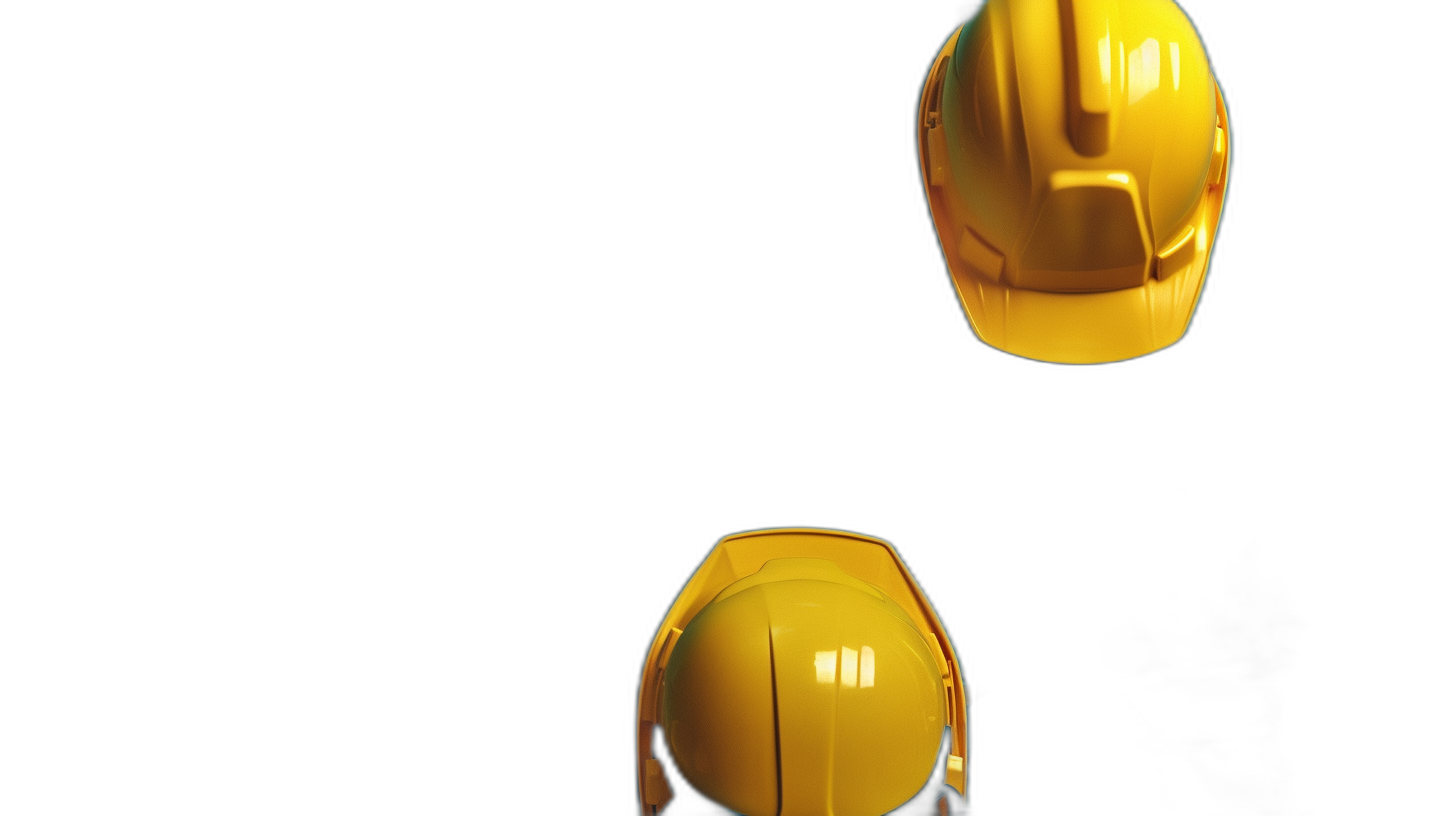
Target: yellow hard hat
801, 673
1074, 154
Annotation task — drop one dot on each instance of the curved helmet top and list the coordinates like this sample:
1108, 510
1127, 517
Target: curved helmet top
801, 673
1074, 156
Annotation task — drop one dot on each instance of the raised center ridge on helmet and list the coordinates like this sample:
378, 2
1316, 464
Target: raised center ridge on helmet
1093, 92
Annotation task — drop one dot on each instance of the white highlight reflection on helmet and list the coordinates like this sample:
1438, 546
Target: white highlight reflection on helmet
824, 665
1104, 56
853, 669
1143, 71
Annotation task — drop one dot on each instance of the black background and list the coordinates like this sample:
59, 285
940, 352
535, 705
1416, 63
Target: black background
740, 318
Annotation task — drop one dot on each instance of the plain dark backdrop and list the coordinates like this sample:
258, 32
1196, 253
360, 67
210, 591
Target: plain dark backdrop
740, 318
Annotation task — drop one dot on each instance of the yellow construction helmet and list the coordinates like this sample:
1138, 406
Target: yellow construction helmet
801, 673
1074, 154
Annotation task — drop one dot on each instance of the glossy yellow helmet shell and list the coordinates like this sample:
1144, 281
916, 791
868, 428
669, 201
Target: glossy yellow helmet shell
789, 685
1074, 154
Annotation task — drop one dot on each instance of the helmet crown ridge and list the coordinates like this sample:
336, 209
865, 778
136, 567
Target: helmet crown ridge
1089, 30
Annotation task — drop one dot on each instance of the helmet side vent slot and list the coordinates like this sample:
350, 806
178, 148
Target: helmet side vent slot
937, 88
935, 154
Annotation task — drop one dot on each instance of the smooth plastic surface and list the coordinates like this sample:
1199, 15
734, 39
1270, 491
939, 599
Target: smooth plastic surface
1074, 155
801, 673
